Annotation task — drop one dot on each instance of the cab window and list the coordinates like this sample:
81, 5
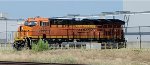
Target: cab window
26, 23
31, 23
44, 23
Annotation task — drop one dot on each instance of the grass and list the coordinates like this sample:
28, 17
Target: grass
80, 56
40, 46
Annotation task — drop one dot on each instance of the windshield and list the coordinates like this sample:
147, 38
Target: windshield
31, 23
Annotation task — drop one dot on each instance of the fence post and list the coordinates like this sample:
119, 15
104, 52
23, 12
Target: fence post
90, 45
81, 46
117, 46
124, 43
75, 45
68, 46
111, 46
105, 45
61, 46
140, 36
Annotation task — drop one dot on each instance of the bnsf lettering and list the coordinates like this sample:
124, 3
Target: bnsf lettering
87, 26
85, 30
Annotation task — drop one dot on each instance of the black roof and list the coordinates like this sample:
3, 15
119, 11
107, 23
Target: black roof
89, 21
106, 21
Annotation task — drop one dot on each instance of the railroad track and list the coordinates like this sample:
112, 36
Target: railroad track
31, 63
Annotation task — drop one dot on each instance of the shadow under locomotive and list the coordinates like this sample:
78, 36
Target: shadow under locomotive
107, 32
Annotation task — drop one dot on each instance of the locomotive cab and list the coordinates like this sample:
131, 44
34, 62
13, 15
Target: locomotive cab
30, 29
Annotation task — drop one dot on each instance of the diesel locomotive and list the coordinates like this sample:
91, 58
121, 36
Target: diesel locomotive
58, 30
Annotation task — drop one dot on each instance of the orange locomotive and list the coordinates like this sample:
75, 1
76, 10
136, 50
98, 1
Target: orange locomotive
57, 30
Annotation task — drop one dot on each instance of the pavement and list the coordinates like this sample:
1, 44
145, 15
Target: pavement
31, 63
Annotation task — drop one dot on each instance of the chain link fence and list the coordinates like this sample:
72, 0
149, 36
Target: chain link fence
138, 37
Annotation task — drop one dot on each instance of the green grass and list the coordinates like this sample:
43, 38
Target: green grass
40, 46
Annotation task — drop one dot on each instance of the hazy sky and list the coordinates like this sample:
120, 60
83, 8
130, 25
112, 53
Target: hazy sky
139, 19
138, 6
24, 9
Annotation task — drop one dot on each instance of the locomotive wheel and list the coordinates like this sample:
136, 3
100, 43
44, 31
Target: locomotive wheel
18, 45
28, 43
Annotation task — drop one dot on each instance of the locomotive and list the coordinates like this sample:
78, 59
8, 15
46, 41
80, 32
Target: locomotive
59, 30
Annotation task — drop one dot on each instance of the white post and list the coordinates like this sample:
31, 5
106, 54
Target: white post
6, 35
61, 45
117, 46
1, 15
105, 45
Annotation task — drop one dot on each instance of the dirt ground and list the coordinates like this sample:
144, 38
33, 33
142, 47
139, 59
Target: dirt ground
80, 56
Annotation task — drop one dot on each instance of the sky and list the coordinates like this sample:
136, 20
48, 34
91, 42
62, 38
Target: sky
138, 6
138, 19
52, 8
